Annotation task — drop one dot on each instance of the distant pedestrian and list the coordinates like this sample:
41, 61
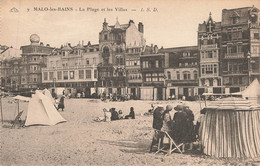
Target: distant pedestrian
107, 115
61, 103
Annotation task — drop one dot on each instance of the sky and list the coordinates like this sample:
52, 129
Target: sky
174, 23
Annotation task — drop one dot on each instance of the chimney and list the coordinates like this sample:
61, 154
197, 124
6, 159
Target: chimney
47, 45
131, 22
69, 45
82, 42
41, 43
89, 44
152, 50
141, 27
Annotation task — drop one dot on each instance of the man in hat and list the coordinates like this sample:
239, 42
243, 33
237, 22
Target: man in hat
167, 125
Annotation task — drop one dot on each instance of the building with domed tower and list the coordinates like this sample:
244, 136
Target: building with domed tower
116, 44
34, 58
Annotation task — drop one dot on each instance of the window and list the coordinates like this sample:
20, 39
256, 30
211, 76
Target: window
215, 68
105, 37
59, 75
210, 54
145, 64
186, 75
72, 75
178, 75
45, 75
87, 61
148, 77
209, 69
229, 49
88, 73
157, 64
205, 42
63, 53
234, 20
195, 73
95, 73
155, 77
81, 74
50, 75
256, 36
169, 75
203, 69
239, 48
65, 75
179, 64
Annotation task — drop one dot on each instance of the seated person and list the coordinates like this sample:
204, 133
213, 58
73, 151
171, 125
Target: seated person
114, 114
120, 114
131, 114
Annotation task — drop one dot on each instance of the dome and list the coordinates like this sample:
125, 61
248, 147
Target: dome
34, 38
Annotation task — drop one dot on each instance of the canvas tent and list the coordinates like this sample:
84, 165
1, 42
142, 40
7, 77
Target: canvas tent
47, 93
231, 128
252, 92
41, 111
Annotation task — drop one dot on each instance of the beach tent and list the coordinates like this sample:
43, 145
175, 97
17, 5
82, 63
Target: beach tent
252, 91
22, 98
231, 128
41, 111
47, 93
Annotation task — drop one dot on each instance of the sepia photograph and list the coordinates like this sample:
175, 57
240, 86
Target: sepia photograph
147, 82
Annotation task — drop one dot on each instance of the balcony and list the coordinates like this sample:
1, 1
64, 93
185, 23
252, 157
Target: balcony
209, 46
183, 82
234, 55
240, 72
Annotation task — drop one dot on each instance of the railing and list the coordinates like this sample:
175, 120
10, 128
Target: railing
68, 67
209, 46
236, 72
234, 55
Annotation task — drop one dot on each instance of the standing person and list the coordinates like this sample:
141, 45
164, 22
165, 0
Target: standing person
167, 125
61, 103
107, 115
157, 124
179, 119
190, 134
131, 114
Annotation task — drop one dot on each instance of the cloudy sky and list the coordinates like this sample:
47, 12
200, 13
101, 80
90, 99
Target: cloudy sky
173, 23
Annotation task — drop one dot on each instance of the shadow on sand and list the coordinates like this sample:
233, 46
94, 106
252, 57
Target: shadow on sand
131, 146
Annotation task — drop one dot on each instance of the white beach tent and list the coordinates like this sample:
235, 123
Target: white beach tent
41, 111
252, 91
48, 94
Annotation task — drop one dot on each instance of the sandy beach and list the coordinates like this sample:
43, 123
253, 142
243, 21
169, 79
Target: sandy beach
83, 141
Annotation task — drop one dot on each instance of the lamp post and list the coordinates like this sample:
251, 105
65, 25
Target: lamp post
249, 67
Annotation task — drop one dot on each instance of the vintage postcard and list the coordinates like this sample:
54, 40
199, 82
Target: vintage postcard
148, 82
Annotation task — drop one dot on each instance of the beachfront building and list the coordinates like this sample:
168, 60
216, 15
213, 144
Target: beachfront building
10, 59
34, 58
181, 71
152, 68
240, 47
73, 68
114, 43
209, 45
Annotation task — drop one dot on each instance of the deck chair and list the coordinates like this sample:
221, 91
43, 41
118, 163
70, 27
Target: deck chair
173, 145
17, 119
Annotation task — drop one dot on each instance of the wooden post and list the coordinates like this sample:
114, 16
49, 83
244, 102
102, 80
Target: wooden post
200, 102
18, 106
2, 118
206, 100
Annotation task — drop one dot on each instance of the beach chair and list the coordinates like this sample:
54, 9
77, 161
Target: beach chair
172, 144
17, 119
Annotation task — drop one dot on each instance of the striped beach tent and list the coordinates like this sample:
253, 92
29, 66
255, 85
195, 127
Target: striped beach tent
231, 128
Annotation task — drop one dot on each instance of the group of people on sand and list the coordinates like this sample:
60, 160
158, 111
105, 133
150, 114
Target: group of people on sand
180, 127
112, 114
